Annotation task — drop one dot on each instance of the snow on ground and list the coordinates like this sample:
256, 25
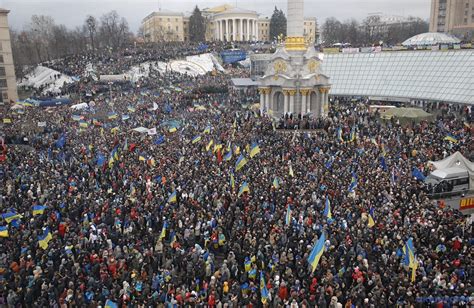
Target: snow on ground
42, 76
193, 65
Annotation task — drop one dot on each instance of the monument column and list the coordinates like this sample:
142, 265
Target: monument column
267, 98
262, 99
241, 32
304, 101
285, 102
234, 29
292, 101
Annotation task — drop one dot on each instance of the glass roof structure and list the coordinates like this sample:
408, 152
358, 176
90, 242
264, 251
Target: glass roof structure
430, 38
446, 76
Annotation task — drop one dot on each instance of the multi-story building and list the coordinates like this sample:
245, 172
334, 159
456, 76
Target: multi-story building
7, 68
453, 16
165, 26
223, 23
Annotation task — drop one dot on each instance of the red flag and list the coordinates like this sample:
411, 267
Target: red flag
132, 147
219, 156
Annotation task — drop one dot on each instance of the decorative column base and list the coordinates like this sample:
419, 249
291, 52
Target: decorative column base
295, 43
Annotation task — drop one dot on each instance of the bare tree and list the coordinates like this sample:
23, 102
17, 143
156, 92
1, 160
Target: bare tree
114, 29
91, 25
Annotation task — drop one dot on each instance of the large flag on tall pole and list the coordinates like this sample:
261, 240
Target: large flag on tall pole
317, 252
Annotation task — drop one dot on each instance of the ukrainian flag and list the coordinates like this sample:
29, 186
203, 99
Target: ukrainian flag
232, 181
247, 264
263, 289
450, 138
172, 129
353, 134
196, 139
110, 304
409, 250
173, 238
254, 150
77, 117
131, 109
172, 198
163, 230
327, 209
243, 188
209, 145
317, 252
339, 135
44, 239
141, 157
114, 129
38, 209
276, 182
112, 116
240, 162
207, 130
83, 124
288, 215
371, 221
4, 231
353, 183
228, 156
10, 216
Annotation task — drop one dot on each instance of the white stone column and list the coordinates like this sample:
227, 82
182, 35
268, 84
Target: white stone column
295, 18
303, 104
228, 29
285, 102
248, 30
241, 32
292, 104
234, 29
255, 30
262, 100
267, 100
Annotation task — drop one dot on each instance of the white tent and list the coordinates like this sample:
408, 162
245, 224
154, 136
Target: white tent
459, 161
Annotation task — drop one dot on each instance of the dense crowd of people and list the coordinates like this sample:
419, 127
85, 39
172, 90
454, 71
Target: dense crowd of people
142, 200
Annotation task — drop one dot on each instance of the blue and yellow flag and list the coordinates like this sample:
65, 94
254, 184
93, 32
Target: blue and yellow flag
410, 258
11, 216
173, 238
110, 304
196, 139
263, 288
4, 231
228, 156
317, 252
163, 231
112, 116
172, 129
276, 182
247, 264
353, 183
172, 198
371, 221
327, 209
288, 215
353, 134
83, 124
207, 130
254, 150
243, 188
131, 109
38, 209
209, 145
339, 134
44, 238
141, 157
450, 138
232, 180
240, 162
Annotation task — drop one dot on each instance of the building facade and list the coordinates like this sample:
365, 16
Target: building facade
223, 23
294, 83
453, 16
164, 26
7, 68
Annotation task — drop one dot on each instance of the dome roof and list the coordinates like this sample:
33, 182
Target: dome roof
430, 38
236, 10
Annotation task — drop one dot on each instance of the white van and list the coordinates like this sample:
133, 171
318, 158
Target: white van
449, 181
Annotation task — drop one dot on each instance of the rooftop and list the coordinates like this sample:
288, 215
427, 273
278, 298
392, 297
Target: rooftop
430, 38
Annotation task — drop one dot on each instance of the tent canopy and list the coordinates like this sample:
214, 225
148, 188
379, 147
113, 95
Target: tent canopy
407, 114
456, 160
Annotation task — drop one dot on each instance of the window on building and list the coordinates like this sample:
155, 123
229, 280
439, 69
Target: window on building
1, 58
169, 19
5, 95
1, 48
2, 71
3, 83
176, 28
176, 19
